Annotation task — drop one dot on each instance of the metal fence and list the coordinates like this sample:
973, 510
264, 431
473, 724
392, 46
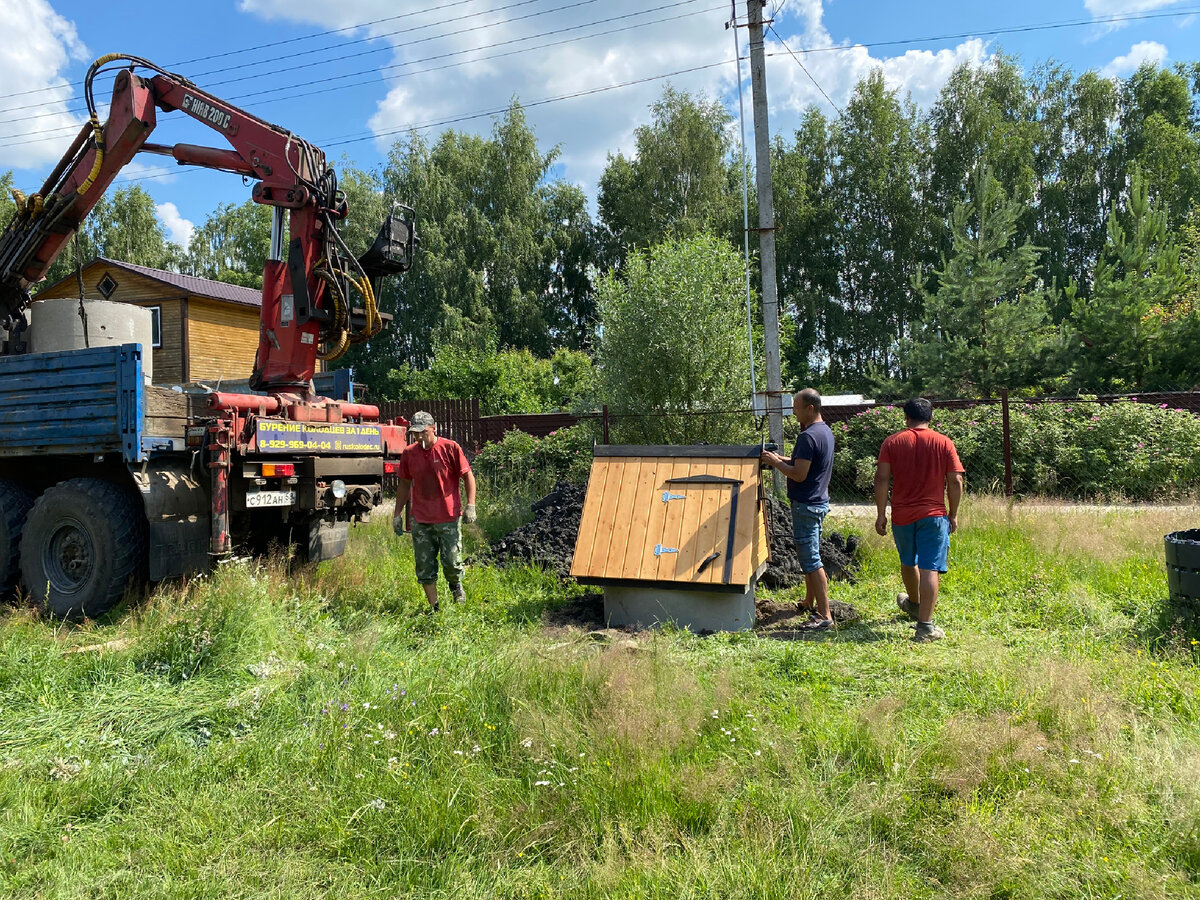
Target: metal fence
1008, 445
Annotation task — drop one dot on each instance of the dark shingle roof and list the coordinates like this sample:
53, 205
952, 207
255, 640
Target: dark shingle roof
204, 287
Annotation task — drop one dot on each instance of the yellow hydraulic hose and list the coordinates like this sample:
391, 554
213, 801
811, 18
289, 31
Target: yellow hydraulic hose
94, 174
335, 348
97, 131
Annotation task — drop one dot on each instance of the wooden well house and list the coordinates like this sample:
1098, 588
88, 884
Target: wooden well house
203, 330
674, 534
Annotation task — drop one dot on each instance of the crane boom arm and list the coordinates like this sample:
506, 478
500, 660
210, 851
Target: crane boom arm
306, 287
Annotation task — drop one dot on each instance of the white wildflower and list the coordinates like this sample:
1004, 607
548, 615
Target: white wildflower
64, 769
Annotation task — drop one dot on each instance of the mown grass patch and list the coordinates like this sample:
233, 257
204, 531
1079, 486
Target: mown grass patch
254, 735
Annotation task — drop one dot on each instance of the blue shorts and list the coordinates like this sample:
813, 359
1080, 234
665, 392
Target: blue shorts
924, 543
806, 528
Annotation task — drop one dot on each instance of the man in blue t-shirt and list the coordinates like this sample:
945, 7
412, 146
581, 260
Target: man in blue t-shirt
808, 473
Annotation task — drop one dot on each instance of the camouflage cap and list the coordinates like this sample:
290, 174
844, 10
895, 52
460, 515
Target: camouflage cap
420, 421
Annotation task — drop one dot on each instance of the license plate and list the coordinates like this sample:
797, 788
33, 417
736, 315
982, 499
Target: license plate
270, 498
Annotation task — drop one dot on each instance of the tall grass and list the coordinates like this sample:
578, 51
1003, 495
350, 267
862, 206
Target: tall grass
252, 734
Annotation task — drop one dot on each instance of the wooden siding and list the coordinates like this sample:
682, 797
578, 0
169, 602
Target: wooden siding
138, 291
222, 340
624, 518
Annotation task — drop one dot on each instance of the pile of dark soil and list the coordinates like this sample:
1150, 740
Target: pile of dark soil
838, 551
549, 541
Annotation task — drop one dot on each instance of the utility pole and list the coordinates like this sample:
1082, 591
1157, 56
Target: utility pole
766, 228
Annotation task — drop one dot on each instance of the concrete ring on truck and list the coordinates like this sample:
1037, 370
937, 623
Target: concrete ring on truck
83, 546
15, 503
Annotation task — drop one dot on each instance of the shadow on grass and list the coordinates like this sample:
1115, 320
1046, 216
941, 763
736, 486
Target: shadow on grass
856, 633
585, 611
1175, 626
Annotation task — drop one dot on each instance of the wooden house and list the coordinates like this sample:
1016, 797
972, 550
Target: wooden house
204, 330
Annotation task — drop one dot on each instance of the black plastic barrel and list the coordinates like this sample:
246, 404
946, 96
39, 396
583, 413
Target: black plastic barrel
1183, 566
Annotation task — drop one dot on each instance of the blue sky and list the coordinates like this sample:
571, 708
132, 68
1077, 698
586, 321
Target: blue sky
352, 75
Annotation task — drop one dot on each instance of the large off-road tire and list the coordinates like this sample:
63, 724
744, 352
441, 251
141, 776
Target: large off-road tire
15, 503
84, 545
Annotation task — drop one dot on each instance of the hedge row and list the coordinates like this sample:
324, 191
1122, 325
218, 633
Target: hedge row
1079, 449
1074, 450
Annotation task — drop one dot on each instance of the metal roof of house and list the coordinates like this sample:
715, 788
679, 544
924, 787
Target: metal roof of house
190, 284
204, 287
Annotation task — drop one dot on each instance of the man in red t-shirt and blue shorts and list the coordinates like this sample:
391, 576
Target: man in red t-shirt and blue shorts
430, 471
924, 472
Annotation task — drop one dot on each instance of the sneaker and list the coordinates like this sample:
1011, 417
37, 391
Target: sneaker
817, 624
926, 632
907, 606
457, 592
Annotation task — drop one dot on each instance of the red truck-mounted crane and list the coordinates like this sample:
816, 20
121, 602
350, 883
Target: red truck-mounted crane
105, 479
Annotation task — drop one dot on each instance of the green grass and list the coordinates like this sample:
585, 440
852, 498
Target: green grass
251, 735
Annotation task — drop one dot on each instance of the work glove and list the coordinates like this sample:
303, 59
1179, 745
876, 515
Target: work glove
469, 515
398, 525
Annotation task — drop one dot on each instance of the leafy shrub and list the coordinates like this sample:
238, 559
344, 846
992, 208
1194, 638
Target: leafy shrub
672, 343
1079, 449
521, 468
507, 381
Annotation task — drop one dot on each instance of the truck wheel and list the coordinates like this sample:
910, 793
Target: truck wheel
15, 503
84, 543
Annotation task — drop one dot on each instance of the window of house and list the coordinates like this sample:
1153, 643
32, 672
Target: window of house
107, 285
155, 325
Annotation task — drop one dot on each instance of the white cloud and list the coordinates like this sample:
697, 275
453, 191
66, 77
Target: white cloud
1141, 52
838, 66
178, 228
1103, 9
38, 44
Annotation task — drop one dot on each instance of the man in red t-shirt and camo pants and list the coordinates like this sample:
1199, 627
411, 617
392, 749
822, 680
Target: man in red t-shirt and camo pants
430, 471
924, 472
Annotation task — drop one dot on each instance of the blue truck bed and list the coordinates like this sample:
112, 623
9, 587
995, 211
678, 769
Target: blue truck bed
73, 402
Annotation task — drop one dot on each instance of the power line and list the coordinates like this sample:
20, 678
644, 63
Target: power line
426, 126
317, 34
1020, 29
530, 105
260, 95
842, 48
1015, 29
384, 49
378, 69
279, 43
480, 27
771, 28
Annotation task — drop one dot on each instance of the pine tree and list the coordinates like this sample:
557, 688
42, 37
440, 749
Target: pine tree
986, 328
1138, 282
